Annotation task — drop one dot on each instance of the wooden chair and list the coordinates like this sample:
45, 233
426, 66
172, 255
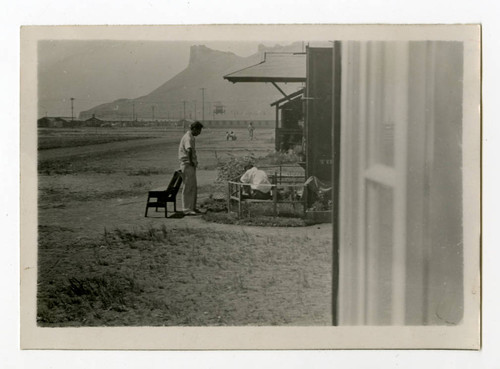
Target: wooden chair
159, 199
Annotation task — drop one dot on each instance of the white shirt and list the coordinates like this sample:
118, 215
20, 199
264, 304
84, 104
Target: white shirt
187, 142
257, 179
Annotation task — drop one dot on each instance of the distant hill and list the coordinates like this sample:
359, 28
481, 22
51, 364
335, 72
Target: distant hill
206, 68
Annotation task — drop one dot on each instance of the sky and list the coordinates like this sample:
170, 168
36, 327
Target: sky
97, 72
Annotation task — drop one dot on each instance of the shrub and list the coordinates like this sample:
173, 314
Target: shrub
233, 167
278, 158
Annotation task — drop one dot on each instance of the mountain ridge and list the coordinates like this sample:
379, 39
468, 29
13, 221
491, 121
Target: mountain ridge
181, 96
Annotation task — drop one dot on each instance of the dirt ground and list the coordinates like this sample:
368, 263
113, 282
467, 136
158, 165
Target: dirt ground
89, 192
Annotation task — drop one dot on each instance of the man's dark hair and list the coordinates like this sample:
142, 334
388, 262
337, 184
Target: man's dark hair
196, 125
248, 166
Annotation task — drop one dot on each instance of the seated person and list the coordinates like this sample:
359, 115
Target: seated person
260, 187
318, 190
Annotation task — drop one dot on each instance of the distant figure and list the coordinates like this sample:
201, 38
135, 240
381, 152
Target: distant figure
188, 163
232, 136
250, 130
260, 187
227, 136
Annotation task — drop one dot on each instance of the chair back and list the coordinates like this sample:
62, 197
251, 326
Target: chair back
175, 184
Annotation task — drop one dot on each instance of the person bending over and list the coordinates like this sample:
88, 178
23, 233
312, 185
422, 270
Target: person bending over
260, 187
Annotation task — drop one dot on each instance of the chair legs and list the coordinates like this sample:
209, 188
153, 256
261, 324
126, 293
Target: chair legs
147, 207
158, 204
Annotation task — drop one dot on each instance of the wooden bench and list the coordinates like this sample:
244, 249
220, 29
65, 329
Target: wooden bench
160, 198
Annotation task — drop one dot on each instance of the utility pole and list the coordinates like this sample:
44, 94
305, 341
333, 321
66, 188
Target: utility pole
202, 104
133, 112
184, 115
153, 108
72, 116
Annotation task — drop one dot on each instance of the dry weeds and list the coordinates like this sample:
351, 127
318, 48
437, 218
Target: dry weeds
181, 277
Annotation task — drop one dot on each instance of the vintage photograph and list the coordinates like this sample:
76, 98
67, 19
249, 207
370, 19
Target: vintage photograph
318, 179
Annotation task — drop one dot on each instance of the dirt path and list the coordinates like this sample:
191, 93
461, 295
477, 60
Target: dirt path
91, 218
210, 141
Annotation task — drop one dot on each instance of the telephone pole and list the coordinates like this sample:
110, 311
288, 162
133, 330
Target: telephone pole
133, 112
202, 104
72, 116
184, 115
153, 108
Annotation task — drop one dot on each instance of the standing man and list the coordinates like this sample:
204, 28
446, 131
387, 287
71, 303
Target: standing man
189, 162
250, 130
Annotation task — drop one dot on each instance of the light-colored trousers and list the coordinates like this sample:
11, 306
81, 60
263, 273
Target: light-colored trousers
190, 187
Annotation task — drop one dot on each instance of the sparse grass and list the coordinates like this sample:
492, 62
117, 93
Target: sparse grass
261, 221
212, 204
146, 172
141, 184
55, 196
56, 142
62, 167
210, 166
157, 276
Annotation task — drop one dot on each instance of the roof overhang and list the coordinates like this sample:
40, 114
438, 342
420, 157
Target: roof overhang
276, 67
290, 97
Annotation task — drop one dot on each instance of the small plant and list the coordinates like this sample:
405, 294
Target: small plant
213, 204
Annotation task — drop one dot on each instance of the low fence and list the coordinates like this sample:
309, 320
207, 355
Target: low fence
287, 188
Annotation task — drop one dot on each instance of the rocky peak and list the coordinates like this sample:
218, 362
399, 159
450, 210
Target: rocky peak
201, 53
293, 47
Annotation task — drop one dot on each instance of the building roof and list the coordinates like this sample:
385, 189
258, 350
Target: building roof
276, 67
52, 119
93, 119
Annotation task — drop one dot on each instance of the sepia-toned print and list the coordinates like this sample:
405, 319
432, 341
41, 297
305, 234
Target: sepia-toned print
292, 187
